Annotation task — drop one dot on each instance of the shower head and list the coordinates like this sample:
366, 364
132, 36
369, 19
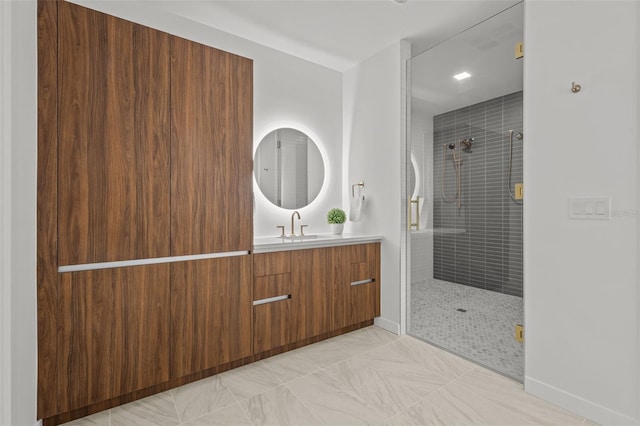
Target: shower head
452, 146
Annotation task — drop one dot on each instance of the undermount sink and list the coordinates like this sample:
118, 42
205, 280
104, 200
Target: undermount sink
298, 237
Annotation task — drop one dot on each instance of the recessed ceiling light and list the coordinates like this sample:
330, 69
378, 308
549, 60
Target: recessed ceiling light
462, 75
400, 1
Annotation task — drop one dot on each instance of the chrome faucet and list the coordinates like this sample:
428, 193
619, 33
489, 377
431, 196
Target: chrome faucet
293, 232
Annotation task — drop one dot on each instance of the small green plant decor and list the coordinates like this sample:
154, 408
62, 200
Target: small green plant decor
336, 218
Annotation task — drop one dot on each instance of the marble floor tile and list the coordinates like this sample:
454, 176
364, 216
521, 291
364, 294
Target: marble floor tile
429, 357
278, 407
439, 408
232, 415
99, 419
497, 399
324, 353
400, 419
291, 365
199, 398
250, 380
363, 340
388, 382
156, 410
332, 403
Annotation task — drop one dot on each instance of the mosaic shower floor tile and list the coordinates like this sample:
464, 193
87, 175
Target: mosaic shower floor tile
476, 324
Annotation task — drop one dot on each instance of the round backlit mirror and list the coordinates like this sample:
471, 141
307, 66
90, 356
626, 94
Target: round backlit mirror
289, 168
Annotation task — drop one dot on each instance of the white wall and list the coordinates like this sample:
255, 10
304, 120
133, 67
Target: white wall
581, 276
372, 138
18, 364
288, 92
5, 213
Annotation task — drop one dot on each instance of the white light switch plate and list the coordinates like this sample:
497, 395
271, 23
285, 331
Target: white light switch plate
590, 208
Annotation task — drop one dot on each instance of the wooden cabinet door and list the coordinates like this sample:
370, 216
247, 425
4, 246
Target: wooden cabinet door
364, 283
271, 312
355, 284
211, 150
113, 333
210, 313
47, 220
311, 307
339, 267
272, 284
113, 147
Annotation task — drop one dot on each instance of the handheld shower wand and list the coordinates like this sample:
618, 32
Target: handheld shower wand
457, 164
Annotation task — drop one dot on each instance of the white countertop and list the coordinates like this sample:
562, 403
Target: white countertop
271, 244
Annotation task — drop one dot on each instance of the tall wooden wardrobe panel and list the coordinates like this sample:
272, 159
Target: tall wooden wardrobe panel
47, 221
113, 335
113, 149
211, 150
137, 163
210, 313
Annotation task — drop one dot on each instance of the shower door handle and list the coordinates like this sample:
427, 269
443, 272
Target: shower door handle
417, 223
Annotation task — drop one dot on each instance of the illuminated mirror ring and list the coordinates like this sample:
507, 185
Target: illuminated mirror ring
289, 168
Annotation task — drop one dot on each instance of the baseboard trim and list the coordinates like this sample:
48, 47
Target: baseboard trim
576, 404
390, 326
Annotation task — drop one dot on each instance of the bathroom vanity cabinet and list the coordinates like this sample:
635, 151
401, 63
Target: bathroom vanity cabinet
305, 293
272, 301
355, 284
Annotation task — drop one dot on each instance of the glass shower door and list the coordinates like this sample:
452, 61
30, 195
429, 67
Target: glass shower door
465, 252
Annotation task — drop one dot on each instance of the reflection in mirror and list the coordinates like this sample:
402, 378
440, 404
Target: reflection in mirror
289, 168
414, 178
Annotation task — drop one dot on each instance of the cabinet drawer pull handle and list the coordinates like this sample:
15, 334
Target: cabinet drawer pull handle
271, 299
370, 280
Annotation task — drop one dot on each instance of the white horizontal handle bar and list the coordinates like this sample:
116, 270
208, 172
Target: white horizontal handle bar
271, 299
150, 261
370, 280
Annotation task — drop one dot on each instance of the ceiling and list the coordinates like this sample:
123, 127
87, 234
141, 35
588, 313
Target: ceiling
337, 34
486, 51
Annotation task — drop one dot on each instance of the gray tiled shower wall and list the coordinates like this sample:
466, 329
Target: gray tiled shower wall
488, 254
